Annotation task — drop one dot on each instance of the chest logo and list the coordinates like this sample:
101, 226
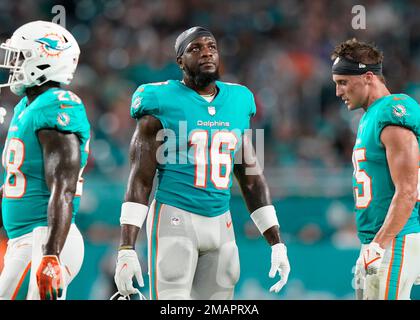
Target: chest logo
211, 110
399, 110
63, 119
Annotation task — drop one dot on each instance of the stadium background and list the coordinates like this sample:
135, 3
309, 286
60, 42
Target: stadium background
280, 50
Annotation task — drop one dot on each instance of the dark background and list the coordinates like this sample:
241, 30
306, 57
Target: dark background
278, 49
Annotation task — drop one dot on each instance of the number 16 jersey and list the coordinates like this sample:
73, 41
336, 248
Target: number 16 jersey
195, 161
25, 191
372, 183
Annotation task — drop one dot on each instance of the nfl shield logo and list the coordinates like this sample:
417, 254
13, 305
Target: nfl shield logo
211, 110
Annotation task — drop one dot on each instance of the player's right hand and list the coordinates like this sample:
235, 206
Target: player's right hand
360, 271
372, 258
128, 266
359, 278
3, 113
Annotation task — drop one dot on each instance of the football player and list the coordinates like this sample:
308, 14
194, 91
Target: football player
44, 155
385, 180
192, 252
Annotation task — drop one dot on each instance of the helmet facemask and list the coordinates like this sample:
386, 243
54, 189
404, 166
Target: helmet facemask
13, 61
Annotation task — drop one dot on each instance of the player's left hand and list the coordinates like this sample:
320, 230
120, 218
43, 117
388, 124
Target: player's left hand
372, 258
3, 113
280, 264
49, 278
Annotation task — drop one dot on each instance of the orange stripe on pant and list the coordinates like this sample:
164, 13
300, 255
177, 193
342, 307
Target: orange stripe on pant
28, 267
402, 262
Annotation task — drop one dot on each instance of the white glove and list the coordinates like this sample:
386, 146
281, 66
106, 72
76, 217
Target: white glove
3, 113
417, 281
372, 258
280, 263
359, 278
360, 268
128, 266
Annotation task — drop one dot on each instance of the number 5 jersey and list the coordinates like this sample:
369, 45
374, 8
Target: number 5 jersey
25, 192
372, 182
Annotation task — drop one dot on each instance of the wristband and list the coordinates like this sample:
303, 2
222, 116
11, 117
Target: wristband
133, 213
125, 248
264, 218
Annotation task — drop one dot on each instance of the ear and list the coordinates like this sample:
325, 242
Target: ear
180, 63
368, 77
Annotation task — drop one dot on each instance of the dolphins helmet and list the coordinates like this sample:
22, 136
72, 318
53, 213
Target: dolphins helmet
38, 52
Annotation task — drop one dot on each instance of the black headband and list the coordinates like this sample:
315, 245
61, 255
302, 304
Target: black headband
345, 67
185, 38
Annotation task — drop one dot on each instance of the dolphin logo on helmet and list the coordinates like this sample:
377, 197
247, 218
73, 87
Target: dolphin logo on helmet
52, 44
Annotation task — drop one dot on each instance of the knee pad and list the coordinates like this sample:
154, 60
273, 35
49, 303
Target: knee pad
175, 260
228, 269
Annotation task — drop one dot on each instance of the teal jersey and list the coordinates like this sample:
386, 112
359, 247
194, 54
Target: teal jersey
372, 182
25, 191
195, 162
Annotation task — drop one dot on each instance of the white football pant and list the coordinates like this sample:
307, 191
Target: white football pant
399, 269
23, 257
190, 256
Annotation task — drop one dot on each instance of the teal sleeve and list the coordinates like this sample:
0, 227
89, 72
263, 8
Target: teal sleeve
253, 106
404, 113
68, 116
144, 101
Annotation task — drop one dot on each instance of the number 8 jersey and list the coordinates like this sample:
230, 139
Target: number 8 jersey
195, 161
372, 182
25, 192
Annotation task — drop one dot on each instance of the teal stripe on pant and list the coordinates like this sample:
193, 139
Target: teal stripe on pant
23, 290
393, 278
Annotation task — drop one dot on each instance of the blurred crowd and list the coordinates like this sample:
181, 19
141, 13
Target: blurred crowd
279, 49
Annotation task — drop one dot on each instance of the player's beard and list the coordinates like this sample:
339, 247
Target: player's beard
202, 79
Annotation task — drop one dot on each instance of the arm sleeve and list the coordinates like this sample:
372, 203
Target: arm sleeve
405, 113
253, 107
68, 116
143, 102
